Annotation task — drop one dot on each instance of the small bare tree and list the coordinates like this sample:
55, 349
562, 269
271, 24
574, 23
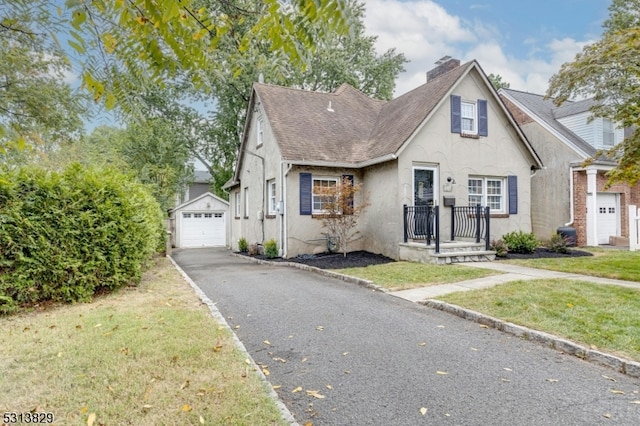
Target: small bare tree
341, 215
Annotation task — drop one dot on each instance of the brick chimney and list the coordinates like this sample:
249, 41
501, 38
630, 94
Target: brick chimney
443, 65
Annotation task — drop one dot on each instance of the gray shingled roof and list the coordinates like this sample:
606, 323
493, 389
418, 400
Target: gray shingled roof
358, 129
547, 111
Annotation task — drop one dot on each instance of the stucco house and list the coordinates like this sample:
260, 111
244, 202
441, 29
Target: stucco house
568, 193
450, 141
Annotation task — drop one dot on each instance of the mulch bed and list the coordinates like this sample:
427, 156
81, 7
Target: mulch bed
353, 259
356, 259
542, 253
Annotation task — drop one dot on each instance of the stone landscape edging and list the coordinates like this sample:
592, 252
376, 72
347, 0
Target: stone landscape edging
622, 365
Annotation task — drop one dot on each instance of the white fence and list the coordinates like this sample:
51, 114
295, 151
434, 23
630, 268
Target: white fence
634, 221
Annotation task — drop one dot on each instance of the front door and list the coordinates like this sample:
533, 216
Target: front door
424, 194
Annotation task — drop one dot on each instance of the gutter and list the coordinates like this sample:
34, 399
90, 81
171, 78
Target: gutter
571, 206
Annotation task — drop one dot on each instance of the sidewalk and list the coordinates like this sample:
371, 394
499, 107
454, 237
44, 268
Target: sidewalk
510, 273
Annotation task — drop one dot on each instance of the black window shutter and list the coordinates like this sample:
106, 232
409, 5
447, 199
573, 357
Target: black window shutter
513, 194
456, 114
305, 193
483, 122
350, 179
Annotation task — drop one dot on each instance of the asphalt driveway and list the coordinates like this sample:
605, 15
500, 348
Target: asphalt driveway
368, 358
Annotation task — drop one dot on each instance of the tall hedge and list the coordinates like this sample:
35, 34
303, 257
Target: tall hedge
63, 236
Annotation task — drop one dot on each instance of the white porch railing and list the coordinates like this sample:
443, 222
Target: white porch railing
634, 221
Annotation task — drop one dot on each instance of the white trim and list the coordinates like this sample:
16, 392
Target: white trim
546, 126
206, 194
271, 194
323, 178
504, 191
436, 183
474, 117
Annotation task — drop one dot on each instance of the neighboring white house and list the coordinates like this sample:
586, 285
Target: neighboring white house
449, 141
200, 222
568, 192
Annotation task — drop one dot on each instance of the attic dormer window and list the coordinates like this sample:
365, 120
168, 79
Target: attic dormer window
469, 117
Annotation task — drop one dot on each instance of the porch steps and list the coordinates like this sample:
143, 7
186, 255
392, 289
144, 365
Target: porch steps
450, 252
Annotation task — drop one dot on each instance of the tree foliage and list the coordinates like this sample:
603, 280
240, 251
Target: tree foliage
37, 108
129, 44
496, 81
609, 71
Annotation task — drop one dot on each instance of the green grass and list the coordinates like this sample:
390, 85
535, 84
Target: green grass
150, 354
406, 275
595, 315
607, 263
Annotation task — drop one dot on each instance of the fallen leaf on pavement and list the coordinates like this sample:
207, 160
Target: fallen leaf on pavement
484, 326
265, 371
329, 387
315, 394
617, 392
186, 408
91, 419
607, 416
609, 378
422, 344
637, 401
298, 389
442, 373
552, 380
276, 386
266, 342
507, 369
423, 411
320, 328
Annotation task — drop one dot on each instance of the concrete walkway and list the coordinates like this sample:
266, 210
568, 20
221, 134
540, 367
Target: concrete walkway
509, 273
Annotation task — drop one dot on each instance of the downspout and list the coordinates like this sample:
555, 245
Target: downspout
264, 189
283, 215
571, 217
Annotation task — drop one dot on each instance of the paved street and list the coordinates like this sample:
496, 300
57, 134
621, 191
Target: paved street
375, 359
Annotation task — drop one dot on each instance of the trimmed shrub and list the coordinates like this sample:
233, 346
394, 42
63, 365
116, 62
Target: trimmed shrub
500, 247
558, 244
243, 246
271, 249
521, 242
64, 236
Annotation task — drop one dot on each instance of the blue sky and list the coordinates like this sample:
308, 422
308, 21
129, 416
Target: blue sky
524, 41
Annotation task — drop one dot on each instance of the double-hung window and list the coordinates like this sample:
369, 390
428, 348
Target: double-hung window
608, 132
271, 193
468, 118
488, 191
320, 199
237, 195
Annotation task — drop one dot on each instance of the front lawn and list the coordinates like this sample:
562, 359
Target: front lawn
406, 275
603, 316
606, 263
148, 355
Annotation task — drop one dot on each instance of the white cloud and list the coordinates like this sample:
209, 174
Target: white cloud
424, 31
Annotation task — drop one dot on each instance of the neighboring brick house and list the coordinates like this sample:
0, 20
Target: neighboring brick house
450, 139
568, 192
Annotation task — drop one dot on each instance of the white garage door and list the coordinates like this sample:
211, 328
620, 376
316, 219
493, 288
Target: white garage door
608, 216
202, 229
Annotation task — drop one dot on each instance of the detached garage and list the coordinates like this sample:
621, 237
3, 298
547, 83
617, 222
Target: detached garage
201, 222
